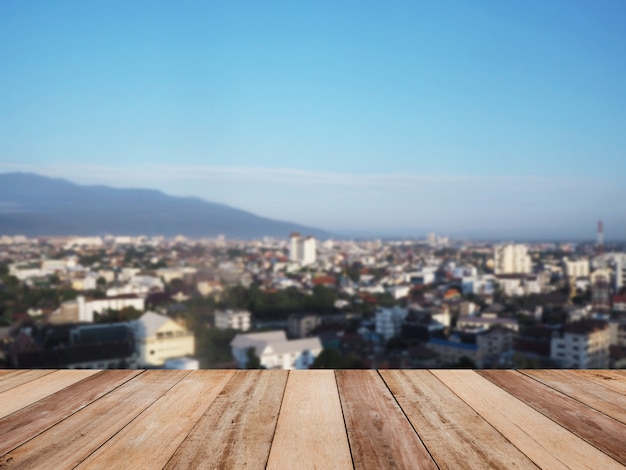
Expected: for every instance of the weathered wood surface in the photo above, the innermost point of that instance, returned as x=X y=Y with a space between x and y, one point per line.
x=380 y=436
x=604 y=432
x=237 y=430
x=310 y=433
x=312 y=419
x=441 y=417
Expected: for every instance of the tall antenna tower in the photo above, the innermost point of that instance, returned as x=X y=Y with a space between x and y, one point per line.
x=600 y=290
x=600 y=244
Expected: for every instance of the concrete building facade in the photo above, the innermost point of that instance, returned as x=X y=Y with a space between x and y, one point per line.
x=232 y=319
x=302 y=250
x=160 y=338
x=512 y=259
x=582 y=345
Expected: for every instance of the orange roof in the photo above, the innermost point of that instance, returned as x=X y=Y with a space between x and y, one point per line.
x=324 y=280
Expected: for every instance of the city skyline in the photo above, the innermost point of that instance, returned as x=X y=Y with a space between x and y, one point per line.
x=477 y=120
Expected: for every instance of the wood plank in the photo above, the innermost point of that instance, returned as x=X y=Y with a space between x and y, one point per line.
x=609 y=378
x=545 y=442
x=592 y=394
x=310 y=433
x=441 y=418
x=28 y=422
x=35 y=390
x=237 y=429
x=22 y=377
x=72 y=440
x=605 y=433
x=4 y=373
x=379 y=433
x=150 y=440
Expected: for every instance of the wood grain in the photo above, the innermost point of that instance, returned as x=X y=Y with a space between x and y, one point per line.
x=4 y=373
x=592 y=394
x=608 y=378
x=312 y=419
x=21 y=377
x=35 y=390
x=150 y=440
x=68 y=443
x=28 y=422
x=605 y=433
x=310 y=433
x=380 y=436
x=237 y=430
x=440 y=418
x=545 y=442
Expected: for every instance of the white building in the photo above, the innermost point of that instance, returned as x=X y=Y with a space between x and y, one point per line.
x=160 y=338
x=517 y=285
x=423 y=277
x=302 y=250
x=84 y=241
x=389 y=321
x=512 y=259
x=480 y=285
x=275 y=351
x=399 y=292
x=620 y=271
x=576 y=268
x=54 y=265
x=582 y=345
x=431 y=239
x=84 y=310
x=465 y=322
x=232 y=319
x=85 y=281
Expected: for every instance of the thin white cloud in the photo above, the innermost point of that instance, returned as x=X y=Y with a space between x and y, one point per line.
x=153 y=175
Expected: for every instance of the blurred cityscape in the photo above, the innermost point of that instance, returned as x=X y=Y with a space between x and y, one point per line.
x=109 y=302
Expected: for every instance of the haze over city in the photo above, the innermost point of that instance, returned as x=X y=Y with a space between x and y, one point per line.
x=485 y=119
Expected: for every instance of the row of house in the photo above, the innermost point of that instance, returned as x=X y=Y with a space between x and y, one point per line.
x=153 y=340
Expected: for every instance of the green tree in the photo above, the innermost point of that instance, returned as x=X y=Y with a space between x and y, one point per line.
x=465 y=363
x=253 y=360
x=213 y=346
x=114 y=316
x=328 y=359
x=332 y=359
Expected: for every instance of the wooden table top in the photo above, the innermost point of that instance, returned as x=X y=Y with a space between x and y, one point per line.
x=126 y=419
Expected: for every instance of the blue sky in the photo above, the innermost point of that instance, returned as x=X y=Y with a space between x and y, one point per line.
x=481 y=118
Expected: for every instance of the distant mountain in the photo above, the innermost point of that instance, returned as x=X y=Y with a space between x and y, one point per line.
x=34 y=205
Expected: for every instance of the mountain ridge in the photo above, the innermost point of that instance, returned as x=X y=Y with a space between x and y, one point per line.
x=36 y=205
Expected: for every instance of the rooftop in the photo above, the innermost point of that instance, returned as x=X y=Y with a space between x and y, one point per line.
x=312 y=419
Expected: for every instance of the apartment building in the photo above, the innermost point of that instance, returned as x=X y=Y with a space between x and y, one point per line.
x=160 y=338
x=84 y=310
x=389 y=321
x=512 y=259
x=301 y=324
x=232 y=319
x=576 y=268
x=582 y=345
x=302 y=250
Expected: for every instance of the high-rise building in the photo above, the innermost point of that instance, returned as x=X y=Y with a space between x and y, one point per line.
x=576 y=268
x=431 y=239
x=620 y=271
x=512 y=259
x=302 y=250
x=295 y=240
x=601 y=290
